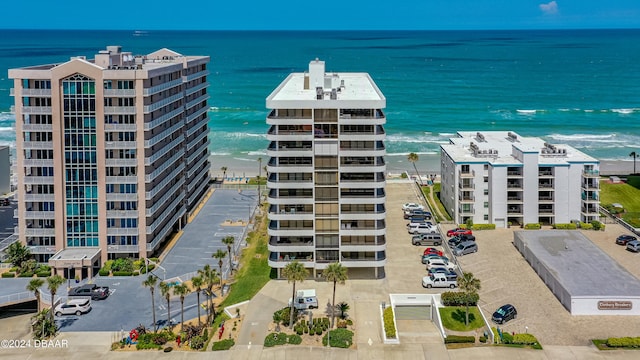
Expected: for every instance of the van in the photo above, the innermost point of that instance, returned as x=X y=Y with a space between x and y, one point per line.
x=305 y=299
x=427 y=239
x=465 y=247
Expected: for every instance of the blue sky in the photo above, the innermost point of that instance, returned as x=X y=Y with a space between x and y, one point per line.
x=321 y=14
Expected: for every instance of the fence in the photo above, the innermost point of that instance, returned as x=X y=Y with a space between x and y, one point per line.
x=618 y=220
x=16 y=298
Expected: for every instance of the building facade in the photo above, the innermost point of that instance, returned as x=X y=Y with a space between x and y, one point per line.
x=326 y=172
x=502 y=178
x=112 y=153
x=5 y=170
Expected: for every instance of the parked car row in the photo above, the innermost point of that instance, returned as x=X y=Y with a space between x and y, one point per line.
x=630 y=241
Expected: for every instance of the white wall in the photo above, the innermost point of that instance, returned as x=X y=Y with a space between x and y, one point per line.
x=562 y=183
x=498 y=194
x=589 y=306
x=530 y=185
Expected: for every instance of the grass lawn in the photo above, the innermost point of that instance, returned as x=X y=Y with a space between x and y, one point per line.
x=624 y=194
x=255 y=271
x=438 y=204
x=453 y=318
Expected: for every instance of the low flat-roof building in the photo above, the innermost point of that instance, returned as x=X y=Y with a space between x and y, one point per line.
x=500 y=177
x=586 y=280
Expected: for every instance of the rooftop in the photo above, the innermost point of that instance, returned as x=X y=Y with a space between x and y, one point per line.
x=499 y=147
x=579 y=265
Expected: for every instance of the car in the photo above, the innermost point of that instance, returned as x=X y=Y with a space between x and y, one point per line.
x=5 y=202
x=459 y=231
x=433 y=256
x=465 y=247
x=624 y=239
x=94 y=291
x=74 y=306
x=415 y=223
x=423 y=229
x=438 y=280
x=417 y=214
x=442 y=270
x=427 y=239
x=439 y=262
x=431 y=250
x=454 y=241
x=410 y=206
x=504 y=313
x=633 y=245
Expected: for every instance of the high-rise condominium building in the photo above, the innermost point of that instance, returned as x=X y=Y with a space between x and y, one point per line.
x=326 y=172
x=112 y=153
x=500 y=177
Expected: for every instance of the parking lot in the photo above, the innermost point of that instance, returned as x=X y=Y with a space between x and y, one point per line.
x=507 y=278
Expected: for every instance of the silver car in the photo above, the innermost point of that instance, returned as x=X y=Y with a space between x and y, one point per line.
x=465 y=247
x=75 y=306
x=633 y=245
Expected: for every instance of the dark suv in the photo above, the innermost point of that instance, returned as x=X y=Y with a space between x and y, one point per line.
x=96 y=292
x=624 y=239
x=454 y=241
x=504 y=314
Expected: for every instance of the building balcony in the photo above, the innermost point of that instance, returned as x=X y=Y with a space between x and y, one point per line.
x=281 y=259
x=197 y=115
x=162 y=103
x=590 y=198
x=363 y=262
x=123 y=248
x=285 y=151
x=466 y=185
x=287 y=232
x=39 y=214
x=363 y=216
x=121 y=162
x=196 y=88
x=194 y=76
x=466 y=210
x=514 y=199
x=545 y=174
x=466 y=174
x=121 y=179
x=121 y=197
x=545 y=199
x=590 y=211
x=545 y=185
x=120 y=110
x=39 y=197
x=120 y=127
x=514 y=173
x=116 y=214
x=514 y=185
x=40 y=249
x=591 y=173
x=46 y=145
x=545 y=211
x=197 y=101
x=34 y=180
x=175 y=129
x=466 y=198
x=289 y=184
x=37 y=127
x=164 y=118
x=40 y=110
x=591 y=185
x=32 y=92
x=37 y=162
x=363 y=231
x=119 y=92
x=164 y=86
x=40 y=232
x=288 y=244
x=122 y=231
x=120 y=145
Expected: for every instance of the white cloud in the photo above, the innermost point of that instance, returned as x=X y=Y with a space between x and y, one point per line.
x=550 y=8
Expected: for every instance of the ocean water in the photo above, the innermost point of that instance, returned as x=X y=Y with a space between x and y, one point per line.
x=580 y=87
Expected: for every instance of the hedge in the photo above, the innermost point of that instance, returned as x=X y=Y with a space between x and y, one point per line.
x=457 y=298
x=586 y=226
x=524 y=339
x=43 y=274
x=223 y=345
x=274 y=339
x=532 y=226
x=122 y=273
x=340 y=338
x=103 y=272
x=632 y=342
x=569 y=226
x=597 y=225
x=8 y=275
x=294 y=339
x=457 y=339
x=26 y=274
x=389 y=326
x=483 y=227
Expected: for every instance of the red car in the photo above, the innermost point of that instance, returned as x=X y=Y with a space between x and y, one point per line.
x=459 y=231
x=431 y=250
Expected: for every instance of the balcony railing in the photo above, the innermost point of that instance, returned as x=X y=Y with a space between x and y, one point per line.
x=127 y=110
x=123 y=248
x=466 y=174
x=591 y=173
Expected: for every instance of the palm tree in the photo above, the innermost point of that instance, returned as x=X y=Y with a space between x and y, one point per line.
x=469 y=286
x=220 y=254
x=229 y=240
x=165 y=290
x=35 y=285
x=18 y=255
x=209 y=277
x=634 y=155
x=197 y=282
x=224 y=172
x=294 y=271
x=413 y=157
x=151 y=284
x=181 y=290
x=53 y=283
x=338 y=274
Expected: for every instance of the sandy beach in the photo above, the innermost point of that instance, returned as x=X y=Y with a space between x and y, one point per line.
x=396 y=164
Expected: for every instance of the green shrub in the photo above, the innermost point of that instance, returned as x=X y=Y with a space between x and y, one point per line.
x=496 y=336
x=122 y=273
x=404 y=175
x=631 y=342
x=340 y=338
x=197 y=342
x=349 y=322
x=122 y=264
x=483 y=227
x=103 y=272
x=456 y=298
x=457 y=339
x=13 y=269
x=294 y=339
x=108 y=264
x=462 y=226
x=43 y=274
x=597 y=225
x=586 y=226
x=44 y=268
x=319 y=330
x=137 y=264
x=389 y=326
x=283 y=316
x=223 y=345
x=524 y=339
x=155 y=259
x=561 y=226
x=483 y=339
x=26 y=274
x=274 y=339
x=205 y=335
x=8 y=275
x=507 y=338
x=532 y=226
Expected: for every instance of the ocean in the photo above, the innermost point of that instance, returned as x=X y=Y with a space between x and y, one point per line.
x=575 y=87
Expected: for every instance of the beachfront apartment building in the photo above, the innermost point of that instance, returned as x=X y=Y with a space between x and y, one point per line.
x=326 y=172
x=502 y=178
x=112 y=154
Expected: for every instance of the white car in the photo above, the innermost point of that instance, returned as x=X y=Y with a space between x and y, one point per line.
x=75 y=306
x=412 y=206
x=422 y=229
x=439 y=262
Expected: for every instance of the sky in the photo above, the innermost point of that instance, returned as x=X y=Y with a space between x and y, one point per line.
x=321 y=14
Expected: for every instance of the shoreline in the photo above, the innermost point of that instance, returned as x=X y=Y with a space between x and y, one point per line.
x=396 y=164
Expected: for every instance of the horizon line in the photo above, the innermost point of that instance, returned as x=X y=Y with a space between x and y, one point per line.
x=332 y=30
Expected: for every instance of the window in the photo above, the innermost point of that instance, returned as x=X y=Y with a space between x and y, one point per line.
x=486 y=191
x=486 y=217
x=486 y=204
x=486 y=179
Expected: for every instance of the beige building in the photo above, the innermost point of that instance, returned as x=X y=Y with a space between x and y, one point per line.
x=112 y=154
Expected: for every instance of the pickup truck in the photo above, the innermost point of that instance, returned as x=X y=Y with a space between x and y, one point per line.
x=438 y=280
x=94 y=291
